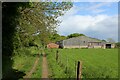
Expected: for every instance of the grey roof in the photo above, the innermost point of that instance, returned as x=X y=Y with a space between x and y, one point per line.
x=84 y=38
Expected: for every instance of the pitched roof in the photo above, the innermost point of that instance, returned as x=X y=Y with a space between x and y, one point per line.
x=84 y=38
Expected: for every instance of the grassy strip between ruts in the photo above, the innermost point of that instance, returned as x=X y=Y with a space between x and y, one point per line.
x=38 y=72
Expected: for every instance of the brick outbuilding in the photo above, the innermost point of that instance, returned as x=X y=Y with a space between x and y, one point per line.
x=52 y=45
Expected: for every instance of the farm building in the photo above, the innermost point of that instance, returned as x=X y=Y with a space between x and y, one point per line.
x=84 y=42
x=52 y=45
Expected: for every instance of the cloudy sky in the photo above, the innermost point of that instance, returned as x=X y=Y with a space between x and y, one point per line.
x=94 y=19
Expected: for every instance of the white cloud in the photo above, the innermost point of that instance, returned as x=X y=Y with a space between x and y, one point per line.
x=98 y=26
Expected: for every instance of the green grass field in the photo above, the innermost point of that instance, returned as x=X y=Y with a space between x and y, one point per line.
x=96 y=63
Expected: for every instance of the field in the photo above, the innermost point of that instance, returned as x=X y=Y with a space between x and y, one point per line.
x=96 y=63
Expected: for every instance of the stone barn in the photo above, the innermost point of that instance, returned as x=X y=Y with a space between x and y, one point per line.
x=84 y=42
x=52 y=45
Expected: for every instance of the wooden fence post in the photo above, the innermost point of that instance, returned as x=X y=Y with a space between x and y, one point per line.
x=79 y=70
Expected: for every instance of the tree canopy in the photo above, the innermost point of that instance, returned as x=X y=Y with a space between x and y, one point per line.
x=30 y=23
x=26 y=24
x=56 y=37
x=41 y=19
x=75 y=35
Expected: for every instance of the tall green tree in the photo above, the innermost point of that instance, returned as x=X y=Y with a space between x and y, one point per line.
x=26 y=22
x=41 y=19
x=10 y=16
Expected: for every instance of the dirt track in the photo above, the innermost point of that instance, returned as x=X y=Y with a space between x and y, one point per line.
x=44 y=68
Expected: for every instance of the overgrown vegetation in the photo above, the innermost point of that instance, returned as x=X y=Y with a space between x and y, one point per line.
x=25 y=61
x=27 y=24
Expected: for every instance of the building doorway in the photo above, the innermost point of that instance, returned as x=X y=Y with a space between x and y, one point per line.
x=108 y=45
